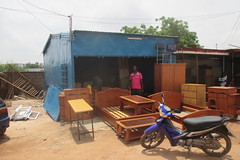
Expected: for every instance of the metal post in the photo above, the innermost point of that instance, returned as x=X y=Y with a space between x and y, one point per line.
x=232 y=69
x=197 y=69
x=70 y=28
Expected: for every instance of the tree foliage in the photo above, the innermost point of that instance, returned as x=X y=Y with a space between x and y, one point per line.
x=168 y=26
x=6 y=67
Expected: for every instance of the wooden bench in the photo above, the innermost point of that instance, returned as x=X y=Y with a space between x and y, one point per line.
x=131 y=129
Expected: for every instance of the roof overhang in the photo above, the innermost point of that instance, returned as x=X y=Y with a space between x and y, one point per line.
x=202 y=53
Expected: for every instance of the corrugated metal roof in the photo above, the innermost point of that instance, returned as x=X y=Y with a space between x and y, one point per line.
x=120 y=33
x=202 y=51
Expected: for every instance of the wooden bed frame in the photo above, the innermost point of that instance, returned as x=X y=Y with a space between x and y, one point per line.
x=107 y=104
x=172 y=99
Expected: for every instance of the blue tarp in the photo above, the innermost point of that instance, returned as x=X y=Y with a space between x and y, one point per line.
x=51 y=103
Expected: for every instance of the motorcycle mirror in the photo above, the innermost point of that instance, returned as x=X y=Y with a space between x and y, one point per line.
x=162 y=94
x=177 y=110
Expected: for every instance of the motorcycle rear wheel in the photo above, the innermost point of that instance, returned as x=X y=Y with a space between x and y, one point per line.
x=224 y=141
x=2 y=131
x=151 y=139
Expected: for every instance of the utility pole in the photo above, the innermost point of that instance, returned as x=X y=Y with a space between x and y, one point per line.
x=70 y=28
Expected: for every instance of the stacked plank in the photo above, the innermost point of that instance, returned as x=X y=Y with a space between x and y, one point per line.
x=194 y=94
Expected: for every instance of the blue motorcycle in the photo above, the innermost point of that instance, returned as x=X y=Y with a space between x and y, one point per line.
x=208 y=133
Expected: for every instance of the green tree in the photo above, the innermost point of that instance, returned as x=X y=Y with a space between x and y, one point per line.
x=32 y=65
x=168 y=26
x=6 y=67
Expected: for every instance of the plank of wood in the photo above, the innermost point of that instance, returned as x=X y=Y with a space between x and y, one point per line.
x=116 y=112
x=110 y=112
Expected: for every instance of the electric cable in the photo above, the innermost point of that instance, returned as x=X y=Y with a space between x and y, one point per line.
x=35 y=17
x=44 y=9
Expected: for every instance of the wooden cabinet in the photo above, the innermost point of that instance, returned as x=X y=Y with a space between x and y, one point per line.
x=72 y=94
x=169 y=77
x=224 y=98
x=194 y=94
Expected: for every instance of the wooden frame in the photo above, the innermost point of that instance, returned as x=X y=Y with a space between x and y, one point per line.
x=137 y=102
x=172 y=99
x=133 y=128
x=200 y=113
x=110 y=97
x=70 y=94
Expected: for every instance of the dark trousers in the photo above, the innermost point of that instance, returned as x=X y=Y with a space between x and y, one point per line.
x=136 y=92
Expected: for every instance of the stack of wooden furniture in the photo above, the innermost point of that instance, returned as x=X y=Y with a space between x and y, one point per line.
x=71 y=94
x=224 y=98
x=194 y=95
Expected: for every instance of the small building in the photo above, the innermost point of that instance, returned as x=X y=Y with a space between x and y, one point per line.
x=204 y=65
x=72 y=60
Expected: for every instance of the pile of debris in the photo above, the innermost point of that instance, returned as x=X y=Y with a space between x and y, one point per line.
x=24 y=113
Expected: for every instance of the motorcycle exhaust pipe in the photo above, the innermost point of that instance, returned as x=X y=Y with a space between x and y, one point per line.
x=199 y=143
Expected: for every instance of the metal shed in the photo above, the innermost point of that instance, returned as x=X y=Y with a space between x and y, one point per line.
x=110 y=55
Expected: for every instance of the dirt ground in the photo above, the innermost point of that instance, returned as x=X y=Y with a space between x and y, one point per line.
x=46 y=139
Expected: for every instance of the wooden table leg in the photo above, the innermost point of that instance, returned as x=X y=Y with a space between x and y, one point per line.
x=121 y=105
x=78 y=127
x=119 y=130
x=92 y=124
x=127 y=137
x=138 y=109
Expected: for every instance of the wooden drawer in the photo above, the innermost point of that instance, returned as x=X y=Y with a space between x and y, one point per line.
x=184 y=87
x=191 y=101
x=189 y=94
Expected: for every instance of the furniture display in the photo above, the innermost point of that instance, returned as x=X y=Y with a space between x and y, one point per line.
x=131 y=129
x=169 y=77
x=137 y=102
x=224 y=98
x=80 y=107
x=108 y=106
x=194 y=94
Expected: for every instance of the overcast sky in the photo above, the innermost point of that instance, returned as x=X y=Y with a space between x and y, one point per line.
x=24 y=31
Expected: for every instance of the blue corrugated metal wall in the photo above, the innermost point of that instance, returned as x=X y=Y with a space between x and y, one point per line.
x=117 y=45
x=58 y=53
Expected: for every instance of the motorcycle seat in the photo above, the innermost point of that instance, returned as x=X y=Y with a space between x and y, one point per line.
x=201 y=123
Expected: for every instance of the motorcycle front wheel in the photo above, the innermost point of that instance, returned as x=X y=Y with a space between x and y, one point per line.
x=223 y=141
x=151 y=139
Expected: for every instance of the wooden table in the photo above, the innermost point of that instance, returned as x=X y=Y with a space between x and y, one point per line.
x=133 y=128
x=79 y=107
x=137 y=102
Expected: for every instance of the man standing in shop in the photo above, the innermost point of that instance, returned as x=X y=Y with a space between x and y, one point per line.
x=136 y=83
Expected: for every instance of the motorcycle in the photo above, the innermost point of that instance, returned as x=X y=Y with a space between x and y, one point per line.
x=208 y=133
